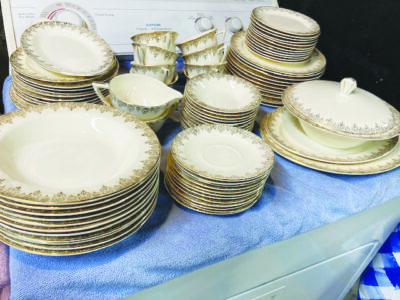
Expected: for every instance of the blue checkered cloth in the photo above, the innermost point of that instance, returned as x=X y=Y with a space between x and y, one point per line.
x=381 y=279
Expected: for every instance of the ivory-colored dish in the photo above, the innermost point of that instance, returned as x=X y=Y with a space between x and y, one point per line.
x=194 y=70
x=286 y=22
x=164 y=73
x=140 y=95
x=151 y=55
x=341 y=114
x=67 y=49
x=222 y=152
x=286 y=130
x=209 y=56
x=162 y=39
x=224 y=93
x=154 y=124
x=381 y=165
x=83 y=154
x=199 y=42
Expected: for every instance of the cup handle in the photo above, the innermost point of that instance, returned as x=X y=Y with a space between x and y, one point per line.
x=225 y=49
x=223 y=32
x=97 y=86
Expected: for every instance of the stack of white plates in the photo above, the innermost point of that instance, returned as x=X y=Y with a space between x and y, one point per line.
x=218 y=169
x=282 y=34
x=75 y=178
x=271 y=77
x=45 y=71
x=219 y=98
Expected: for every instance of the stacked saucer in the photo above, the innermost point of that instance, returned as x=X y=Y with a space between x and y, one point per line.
x=218 y=169
x=55 y=75
x=336 y=128
x=219 y=98
x=281 y=34
x=271 y=77
x=87 y=181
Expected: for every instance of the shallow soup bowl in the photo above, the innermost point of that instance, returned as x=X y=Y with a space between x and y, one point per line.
x=143 y=96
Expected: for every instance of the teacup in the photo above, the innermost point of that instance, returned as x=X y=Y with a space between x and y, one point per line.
x=162 y=39
x=151 y=55
x=194 y=70
x=209 y=56
x=143 y=96
x=200 y=41
x=164 y=73
x=329 y=139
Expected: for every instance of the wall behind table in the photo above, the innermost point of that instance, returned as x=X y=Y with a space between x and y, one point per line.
x=360 y=39
x=3 y=59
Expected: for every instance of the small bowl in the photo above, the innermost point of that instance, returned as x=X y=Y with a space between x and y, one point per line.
x=209 y=56
x=150 y=55
x=193 y=70
x=164 y=73
x=140 y=95
x=162 y=39
x=199 y=42
x=330 y=139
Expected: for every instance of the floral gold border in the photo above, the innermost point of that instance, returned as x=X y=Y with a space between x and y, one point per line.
x=154 y=153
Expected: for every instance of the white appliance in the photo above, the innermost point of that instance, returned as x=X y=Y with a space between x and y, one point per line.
x=117 y=20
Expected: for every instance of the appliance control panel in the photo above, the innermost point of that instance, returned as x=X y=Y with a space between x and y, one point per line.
x=117 y=20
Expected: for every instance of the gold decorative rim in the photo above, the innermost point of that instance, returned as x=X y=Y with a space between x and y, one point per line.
x=314 y=27
x=266 y=162
x=26 y=43
x=316 y=120
x=85 y=248
x=153 y=153
x=387 y=163
x=18 y=63
x=269 y=123
x=194 y=82
x=316 y=63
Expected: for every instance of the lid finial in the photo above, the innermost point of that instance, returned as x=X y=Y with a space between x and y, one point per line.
x=348 y=85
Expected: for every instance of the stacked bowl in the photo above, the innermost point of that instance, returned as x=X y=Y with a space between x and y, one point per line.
x=54 y=75
x=278 y=50
x=202 y=54
x=220 y=98
x=87 y=181
x=335 y=127
x=218 y=169
x=154 y=55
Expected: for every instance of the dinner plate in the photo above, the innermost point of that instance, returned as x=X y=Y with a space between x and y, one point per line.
x=285 y=129
x=67 y=49
x=381 y=165
x=89 y=151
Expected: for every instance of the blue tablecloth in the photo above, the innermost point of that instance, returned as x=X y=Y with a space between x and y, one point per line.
x=176 y=240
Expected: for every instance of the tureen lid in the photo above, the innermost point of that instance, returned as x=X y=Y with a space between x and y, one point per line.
x=342 y=108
